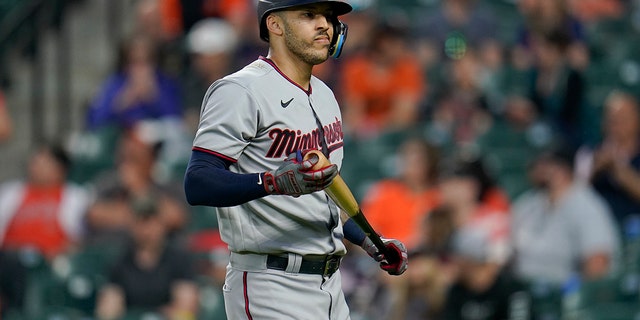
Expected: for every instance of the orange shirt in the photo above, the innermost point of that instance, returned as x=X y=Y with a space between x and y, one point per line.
x=171 y=13
x=593 y=10
x=36 y=223
x=377 y=87
x=396 y=212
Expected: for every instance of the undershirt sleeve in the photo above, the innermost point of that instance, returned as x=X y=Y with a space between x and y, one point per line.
x=353 y=233
x=209 y=182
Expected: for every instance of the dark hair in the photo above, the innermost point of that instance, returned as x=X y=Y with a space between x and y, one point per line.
x=58 y=152
x=557 y=38
x=559 y=154
x=125 y=46
x=473 y=167
x=385 y=30
x=430 y=152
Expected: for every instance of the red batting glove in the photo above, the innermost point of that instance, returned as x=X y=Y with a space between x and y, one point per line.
x=394 y=261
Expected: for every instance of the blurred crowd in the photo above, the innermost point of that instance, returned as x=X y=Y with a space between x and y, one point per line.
x=487 y=135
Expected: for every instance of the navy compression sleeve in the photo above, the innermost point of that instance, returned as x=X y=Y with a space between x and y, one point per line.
x=209 y=182
x=353 y=233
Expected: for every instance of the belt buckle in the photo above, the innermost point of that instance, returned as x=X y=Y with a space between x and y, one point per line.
x=331 y=265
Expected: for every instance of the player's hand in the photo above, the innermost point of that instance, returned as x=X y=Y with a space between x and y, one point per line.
x=295 y=176
x=394 y=261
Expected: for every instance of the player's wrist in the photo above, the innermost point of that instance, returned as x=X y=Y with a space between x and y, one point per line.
x=269 y=183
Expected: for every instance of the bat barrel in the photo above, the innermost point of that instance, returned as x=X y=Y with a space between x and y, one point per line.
x=340 y=193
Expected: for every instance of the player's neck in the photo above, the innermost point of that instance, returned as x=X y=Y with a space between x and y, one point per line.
x=296 y=70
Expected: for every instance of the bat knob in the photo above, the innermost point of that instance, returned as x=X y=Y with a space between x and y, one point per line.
x=322 y=160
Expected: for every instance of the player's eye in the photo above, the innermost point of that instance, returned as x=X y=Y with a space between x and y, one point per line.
x=308 y=14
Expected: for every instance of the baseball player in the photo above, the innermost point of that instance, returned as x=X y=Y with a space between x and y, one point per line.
x=248 y=161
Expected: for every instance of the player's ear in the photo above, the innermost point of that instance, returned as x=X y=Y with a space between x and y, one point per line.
x=274 y=24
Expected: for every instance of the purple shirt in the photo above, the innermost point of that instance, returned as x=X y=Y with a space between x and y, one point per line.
x=104 y=109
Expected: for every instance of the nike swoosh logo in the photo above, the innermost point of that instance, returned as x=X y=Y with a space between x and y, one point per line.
x=259 y=179
x=285 y=104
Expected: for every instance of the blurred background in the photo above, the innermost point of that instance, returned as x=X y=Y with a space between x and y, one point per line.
x=498 y=139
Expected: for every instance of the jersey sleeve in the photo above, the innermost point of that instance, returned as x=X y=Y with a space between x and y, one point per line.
x=228 y=120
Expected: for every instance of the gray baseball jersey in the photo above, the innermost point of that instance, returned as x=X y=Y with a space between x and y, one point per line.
x=255 y=118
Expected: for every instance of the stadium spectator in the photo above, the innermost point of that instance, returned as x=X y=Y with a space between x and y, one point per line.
x=468 y=22
x=479 y=205
x=472 y=207
x=148 y=21
x=43 y=212
x=153 y=274
x=422 y=293
x=133 y=178
x=556 y=88
x=615 y=169
x=381 y=87
x=143 y=96
x=179 y=16
x=590 y=11
x=561 y=228
x=13 y=284
x=512 y=140
x=482 y=291
x=6 y=125
x=541 y=18
x=396 y=207
x=211 y=43
x=460 y=112
x=551 y=46
x=138 y=90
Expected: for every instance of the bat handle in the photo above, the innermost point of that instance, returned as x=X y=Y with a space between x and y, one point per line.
x=370 y=232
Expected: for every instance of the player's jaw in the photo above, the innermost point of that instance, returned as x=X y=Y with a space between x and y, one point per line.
x=312 y=49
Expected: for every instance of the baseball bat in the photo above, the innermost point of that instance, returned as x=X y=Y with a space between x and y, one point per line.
x=340 y=193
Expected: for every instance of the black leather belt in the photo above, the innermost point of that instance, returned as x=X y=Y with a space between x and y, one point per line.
x=326 y=267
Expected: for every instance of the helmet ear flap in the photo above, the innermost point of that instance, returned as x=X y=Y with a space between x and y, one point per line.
x=339 y=37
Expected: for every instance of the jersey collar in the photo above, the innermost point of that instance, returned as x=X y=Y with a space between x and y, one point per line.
x=273 y=64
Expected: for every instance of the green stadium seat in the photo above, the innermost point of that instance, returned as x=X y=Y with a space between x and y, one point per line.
x=608 y=311
x=546 y=301
x=92 y=153
x=202 y=218
x=508 y=154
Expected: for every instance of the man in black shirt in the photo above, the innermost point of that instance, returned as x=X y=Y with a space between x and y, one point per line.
x=152 y=275
x=482 y=291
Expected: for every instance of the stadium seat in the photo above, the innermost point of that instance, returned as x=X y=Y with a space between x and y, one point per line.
x=546 y=301
x=608 y=311
x=92 y=153
x=508 y=153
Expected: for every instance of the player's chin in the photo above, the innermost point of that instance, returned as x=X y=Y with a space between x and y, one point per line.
x=324 y=52
x=319 y=57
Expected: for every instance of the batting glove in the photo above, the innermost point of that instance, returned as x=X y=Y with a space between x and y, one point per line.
x=295 y=176
x=394 y=261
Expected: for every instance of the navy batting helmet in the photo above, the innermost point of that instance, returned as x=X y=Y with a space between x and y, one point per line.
x=339 y=8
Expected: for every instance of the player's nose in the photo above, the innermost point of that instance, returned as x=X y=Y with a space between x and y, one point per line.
x=322 y=22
